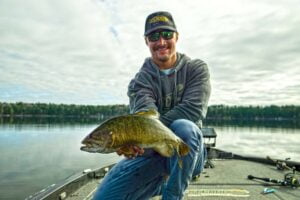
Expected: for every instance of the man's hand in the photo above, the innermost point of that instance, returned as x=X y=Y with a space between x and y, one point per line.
x=130 y=151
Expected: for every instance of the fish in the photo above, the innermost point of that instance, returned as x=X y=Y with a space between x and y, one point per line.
x=142 y=129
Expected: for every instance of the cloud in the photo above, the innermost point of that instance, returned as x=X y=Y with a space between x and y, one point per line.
x=87 y=51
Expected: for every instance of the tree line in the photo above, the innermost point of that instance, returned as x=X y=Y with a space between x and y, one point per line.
x=221 y=112
x=63 y=110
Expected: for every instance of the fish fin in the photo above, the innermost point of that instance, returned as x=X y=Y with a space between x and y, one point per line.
x=126 y=150
x=165 y=150
x=148 y=113
x=183 y=149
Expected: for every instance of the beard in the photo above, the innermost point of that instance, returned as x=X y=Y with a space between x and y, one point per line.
x=162 y=57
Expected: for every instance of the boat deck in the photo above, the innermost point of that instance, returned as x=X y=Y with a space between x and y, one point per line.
x=227 y=181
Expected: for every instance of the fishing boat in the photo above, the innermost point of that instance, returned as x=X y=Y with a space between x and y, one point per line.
x=227 y=176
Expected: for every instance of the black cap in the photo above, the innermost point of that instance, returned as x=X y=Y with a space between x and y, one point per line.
x=159 y=20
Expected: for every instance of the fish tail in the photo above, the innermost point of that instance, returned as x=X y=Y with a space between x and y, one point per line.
x=183 y=149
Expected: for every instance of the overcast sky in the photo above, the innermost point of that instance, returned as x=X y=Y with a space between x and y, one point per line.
x=86 y=51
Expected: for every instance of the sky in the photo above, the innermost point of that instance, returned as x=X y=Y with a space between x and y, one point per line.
x=87 y=51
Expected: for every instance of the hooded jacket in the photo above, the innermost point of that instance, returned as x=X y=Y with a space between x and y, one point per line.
x=182 y=94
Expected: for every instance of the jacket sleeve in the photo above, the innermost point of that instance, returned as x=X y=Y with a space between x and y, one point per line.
x=194 y=102
x=140 y=93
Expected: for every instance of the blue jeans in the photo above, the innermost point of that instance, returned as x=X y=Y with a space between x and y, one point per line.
x=145 y=176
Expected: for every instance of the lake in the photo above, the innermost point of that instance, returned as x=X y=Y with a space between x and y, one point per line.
x=36 y=155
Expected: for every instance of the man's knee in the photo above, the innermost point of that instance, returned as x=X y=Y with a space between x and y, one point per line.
x=185 y=129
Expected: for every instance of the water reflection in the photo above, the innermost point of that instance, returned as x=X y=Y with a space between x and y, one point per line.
x=208 y=122
x=254 y=123
x=34 y=156
x=279 y=143
x=37 y=152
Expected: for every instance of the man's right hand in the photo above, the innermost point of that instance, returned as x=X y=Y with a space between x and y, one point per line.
x=130 y=151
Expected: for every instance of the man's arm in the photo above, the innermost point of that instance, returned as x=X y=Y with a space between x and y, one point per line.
x=193 y=105
x=140 y=93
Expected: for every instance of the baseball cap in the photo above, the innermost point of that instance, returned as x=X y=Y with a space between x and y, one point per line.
x=159 y=20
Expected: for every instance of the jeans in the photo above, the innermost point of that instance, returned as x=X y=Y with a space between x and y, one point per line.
x=145 y=176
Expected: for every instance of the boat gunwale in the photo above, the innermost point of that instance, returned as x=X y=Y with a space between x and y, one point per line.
x=66 y=185
x=51 y=193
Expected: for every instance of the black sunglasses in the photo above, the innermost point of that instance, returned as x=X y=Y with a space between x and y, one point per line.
x=167 y=35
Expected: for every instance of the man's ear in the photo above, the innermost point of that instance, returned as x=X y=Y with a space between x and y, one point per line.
x=176 y=36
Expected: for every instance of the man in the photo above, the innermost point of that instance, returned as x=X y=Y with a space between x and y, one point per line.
x=179 y=89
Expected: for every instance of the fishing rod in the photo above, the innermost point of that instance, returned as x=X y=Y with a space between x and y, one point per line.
x=281 y=165
x=290 y=179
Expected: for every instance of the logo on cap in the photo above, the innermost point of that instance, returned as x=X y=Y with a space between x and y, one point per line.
x=158 y=19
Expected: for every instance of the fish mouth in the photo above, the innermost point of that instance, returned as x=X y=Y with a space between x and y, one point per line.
x=83 y=148
x=87 y=145
x=94 y=148
x=90 y=148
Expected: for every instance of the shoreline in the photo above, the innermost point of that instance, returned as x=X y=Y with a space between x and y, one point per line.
x=101 y=116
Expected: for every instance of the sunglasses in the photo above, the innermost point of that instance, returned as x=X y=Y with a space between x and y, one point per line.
x=167 y=35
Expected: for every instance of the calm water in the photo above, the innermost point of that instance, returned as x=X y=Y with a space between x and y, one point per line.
x=34 y=156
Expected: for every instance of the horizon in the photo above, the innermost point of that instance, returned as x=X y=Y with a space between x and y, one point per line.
x=86 y=52
x=267 y=105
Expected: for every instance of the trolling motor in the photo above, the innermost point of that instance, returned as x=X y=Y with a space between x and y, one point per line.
x=290 y=179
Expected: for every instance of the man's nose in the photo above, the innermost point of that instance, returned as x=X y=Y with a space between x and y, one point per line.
x=161 y=40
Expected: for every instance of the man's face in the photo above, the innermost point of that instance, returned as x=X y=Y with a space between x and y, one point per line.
x=163 y=50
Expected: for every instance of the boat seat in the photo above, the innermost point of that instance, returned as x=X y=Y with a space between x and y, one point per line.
x=210 y=137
